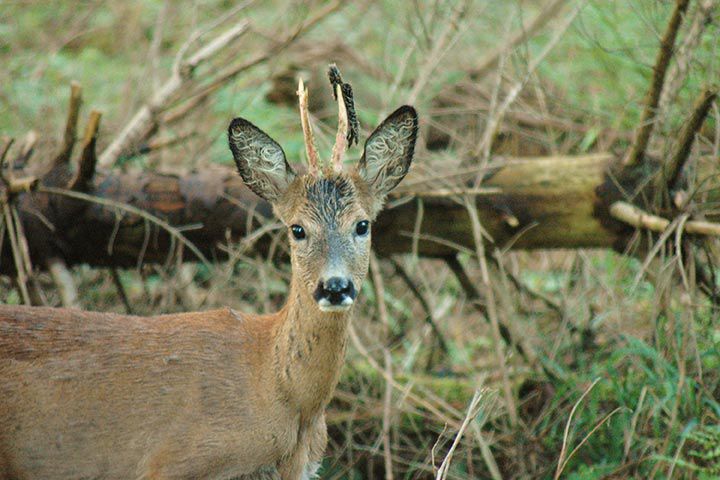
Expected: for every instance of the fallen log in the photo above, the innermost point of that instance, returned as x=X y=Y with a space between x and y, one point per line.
x=533 y=203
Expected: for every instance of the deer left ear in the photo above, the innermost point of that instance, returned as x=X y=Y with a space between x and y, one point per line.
x=260 y=160
x=389 y=151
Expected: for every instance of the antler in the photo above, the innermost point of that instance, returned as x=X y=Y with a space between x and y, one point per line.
x=341 y=141
x=310 y=149
x=348 y=127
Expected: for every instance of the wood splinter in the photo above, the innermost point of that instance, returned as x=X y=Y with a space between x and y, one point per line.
x=63 y=156
x=88 y=157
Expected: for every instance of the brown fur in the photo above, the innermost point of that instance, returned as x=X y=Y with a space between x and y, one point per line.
x=214 y=395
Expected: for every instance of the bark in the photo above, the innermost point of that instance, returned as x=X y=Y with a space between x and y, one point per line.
x=539 y=203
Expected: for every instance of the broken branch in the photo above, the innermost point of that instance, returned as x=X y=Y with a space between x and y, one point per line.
x=647 y=119
x=639 y=218
x=678 y=158
x=70 y=125
x=88 y=158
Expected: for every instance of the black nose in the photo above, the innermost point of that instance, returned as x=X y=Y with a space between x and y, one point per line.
x=335 y=290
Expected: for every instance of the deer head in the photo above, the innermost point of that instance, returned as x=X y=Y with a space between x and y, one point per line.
x=329 y=209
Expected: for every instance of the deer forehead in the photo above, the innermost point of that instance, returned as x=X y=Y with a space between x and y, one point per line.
x=333 y=202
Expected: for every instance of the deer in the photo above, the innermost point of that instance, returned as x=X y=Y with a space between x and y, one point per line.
x=216 y=394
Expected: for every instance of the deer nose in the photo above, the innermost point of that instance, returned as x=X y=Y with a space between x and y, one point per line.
x=335 y=293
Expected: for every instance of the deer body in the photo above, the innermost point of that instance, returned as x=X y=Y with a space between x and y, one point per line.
x=211 y=395
x=126 y=398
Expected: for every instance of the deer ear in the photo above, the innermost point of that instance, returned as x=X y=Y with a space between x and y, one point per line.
x=389 y=151
x=260 y=160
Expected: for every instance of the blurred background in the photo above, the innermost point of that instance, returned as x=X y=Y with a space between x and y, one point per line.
x=495 y=362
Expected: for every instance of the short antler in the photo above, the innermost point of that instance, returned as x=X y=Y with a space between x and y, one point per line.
x=347 y=120
x=341 y=141
x=310 y=149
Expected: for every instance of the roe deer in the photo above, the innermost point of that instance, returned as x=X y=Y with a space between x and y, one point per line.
x=217 y=394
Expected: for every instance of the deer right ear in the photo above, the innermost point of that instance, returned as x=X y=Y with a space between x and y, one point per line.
x=260 y=160
x=389 y=151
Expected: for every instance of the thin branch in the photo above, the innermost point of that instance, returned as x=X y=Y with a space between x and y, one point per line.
x=477 y=231
x=26 y=149
x=522 y=34
x=429 y=317
x=472 y=412
x=197 y=96
x=474 y=297
x=64 y=282
x=117 y=281
x=674 y=166
x=563 y=450
x=647 y=119
x=173 y=231
x=685 y=53
x=88 y=157
x=145 y=119
x=639 y=218
x=70 y=135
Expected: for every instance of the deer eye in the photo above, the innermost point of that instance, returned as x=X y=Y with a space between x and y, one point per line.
x=298 y=232
x=361 y=229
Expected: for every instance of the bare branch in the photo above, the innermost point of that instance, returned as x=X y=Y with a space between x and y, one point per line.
x=88 y=158
x=70 y=125
x=639 y=218
x=145 y=119
x=647 y=119
x=685 y=53
x=674 y=166
x=64 y=282
x=522 y=34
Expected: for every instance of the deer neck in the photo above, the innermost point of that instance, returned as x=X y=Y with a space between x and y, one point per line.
x=309 y=352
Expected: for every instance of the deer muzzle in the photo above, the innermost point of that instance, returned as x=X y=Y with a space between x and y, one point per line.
x=336 y=294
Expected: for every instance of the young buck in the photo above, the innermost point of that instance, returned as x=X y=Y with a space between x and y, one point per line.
x=218 y=394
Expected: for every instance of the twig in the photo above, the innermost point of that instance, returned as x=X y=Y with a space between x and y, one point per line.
x=685 y=53
x=522 y=34
x=674 y=166
x=198 y=95
x=561 y=460
x=429 y=317
x=452 y=192
x=639 y=218
x=491 y=307
x=117 y=281
x=64 y=282
x=472 y=412
x=4 y=151
x=146 y=117
x=497 y=116
x=447 y=37
x=156 y=145
x=474 y=297
x=88 y=158
x=173 y=231
x=21 y=277
x=26 y=150
x=70 y=136
x=647 y=119
x=387 y=410
x=352 y=333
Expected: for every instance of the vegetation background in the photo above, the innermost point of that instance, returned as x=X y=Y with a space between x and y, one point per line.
x=621 y=377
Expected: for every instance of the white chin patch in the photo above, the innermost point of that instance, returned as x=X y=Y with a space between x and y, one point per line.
x=325 y=305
